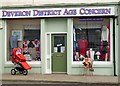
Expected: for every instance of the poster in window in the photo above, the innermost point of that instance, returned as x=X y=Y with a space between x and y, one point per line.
x=18 y=34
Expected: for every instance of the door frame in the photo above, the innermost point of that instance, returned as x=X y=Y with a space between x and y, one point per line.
x=63 y=33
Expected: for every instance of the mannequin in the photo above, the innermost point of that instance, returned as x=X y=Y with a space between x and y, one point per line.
x=90 y=53
x=104 y=40
x=83 y=44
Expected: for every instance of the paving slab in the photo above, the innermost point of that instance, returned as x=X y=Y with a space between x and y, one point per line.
x=61 y=78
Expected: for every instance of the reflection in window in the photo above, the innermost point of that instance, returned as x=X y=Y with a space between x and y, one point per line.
x=92 y=39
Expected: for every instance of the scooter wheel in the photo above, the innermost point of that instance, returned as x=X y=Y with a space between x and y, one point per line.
x=25 y=72
x=13 y=71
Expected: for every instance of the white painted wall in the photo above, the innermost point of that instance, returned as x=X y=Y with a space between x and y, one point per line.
x=39 y=2
x=118 y=64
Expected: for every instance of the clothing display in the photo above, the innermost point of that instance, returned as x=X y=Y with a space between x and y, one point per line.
x=83 y=43
x=90 y=53
x=32 y=53
x=104 y=36
x=77 y=56
x=36 y=43
x=25 y=46
x=104 y=47
x=13 y=41
x=74 y=35
x=108 y=26
x=105 y=40
x=78 y=32
x=104 y=50
x=76 y=47
x=89 y=36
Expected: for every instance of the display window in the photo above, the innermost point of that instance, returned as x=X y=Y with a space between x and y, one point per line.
x=91 y=38
x=25 y=34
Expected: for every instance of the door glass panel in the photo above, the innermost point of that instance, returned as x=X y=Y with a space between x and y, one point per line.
x=59 y=44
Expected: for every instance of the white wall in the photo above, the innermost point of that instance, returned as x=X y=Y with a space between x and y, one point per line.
x=39 y=2
x=119 y=42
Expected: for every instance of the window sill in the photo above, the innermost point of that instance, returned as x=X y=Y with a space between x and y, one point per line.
x=95 y=64
x=31 y=63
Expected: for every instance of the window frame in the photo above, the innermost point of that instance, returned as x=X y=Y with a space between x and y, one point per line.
x=111 y=50
x=8 y=62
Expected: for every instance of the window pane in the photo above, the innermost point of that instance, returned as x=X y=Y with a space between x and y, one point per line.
x=59 y=42
x=24 y=33
x=91 y=38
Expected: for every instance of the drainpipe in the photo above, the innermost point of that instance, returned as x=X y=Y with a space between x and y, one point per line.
x=114 y=61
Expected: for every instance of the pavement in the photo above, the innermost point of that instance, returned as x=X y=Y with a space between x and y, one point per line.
x=64 y=78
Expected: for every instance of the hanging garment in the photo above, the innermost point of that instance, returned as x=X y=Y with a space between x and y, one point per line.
x=36 y=43
x=105 y=32
x=13 y=42
x=108 y=26
x=83 y=43
x=104 y=48
x=74 y=35
x=25 y=48
x=77 y=31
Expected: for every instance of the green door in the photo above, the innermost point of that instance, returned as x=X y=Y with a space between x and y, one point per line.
x=59 y=55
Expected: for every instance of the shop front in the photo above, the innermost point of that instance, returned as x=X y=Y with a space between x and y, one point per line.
x=55 y=40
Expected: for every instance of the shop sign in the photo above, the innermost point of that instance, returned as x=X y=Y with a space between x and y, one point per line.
x=58 y=12
x=91 y=19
